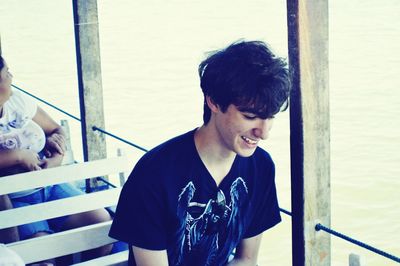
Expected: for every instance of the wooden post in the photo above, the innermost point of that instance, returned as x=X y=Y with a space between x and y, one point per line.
x=354 y=260
x=310 y=130
x=121 y=175
x=68 y=155
x=89 y=79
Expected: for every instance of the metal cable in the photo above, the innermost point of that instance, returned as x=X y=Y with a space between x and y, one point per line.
x=356 y=242
x=76 y=118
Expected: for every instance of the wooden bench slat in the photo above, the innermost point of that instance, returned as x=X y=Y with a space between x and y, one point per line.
x=71 y=241
x=117 y=259
x=57 y=208
x=62 y=174
x=63 y=243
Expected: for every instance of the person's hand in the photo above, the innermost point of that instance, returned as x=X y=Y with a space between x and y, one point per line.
x=30 y=160
x=50 y=162
x=55 y=143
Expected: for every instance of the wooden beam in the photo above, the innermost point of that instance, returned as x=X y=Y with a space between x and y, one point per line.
x=354 y=260
x=310 y=130
x=68 y=154
x=116 y=259
x=74 y=240
x=63 y=174
x=89 y=79
x=58 y=208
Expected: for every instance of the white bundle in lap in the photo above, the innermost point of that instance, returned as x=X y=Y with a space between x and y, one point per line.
x=9 y=258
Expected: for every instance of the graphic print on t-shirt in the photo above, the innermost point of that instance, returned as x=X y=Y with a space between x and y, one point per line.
x=21 y=132
x=208 y=232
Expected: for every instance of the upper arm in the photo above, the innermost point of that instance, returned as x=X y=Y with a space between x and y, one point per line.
x=247 y=250
x=45 y=121
x=146 y=257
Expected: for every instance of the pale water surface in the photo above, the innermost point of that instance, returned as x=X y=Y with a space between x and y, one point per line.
x=150 y=51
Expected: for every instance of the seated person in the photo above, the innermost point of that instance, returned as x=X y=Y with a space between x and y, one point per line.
x=31 y=140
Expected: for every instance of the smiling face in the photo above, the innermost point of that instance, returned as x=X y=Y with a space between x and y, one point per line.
x=240 y=131
x=5 y=84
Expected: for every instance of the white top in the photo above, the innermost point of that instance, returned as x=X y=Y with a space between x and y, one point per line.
x=8 y=257
x=18 y=130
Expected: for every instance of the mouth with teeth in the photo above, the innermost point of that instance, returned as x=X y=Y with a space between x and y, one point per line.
x=250 y=141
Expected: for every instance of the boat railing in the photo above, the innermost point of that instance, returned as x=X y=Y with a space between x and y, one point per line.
x=354 y=260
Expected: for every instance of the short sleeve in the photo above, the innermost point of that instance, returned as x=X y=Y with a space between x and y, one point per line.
x=265 y=206
x=24 y=103
x=141 y=210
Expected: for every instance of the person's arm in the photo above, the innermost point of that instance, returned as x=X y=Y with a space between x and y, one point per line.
x=55 y=138
x=247 y=252
x=146 y=257
x=25 y=158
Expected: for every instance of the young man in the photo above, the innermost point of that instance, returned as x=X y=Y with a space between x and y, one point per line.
x=196 y=198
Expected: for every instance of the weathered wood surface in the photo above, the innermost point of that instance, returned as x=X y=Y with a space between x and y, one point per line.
x=310 y=130
x=68 y=154
x=354 y=260
x=89 y=79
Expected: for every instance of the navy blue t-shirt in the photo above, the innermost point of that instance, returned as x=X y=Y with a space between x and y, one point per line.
x=171 y=202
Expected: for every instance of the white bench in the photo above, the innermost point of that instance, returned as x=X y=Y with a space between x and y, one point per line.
x=71 y=241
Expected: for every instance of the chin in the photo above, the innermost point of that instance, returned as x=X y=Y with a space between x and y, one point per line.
x=246 y=153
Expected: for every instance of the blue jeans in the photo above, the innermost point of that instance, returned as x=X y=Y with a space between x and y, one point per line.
x=44 y=195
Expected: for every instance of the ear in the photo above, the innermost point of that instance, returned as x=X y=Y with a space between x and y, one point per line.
x=214 y=107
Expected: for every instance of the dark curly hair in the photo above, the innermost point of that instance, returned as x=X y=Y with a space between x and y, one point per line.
x=248 y=75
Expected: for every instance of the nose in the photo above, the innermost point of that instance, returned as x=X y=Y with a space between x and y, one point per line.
x=263 y=127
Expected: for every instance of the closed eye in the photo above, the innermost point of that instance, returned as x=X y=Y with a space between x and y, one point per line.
x=250 y=116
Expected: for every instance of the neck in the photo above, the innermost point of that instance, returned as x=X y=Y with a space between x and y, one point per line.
x=217 y=160
x=208 y=143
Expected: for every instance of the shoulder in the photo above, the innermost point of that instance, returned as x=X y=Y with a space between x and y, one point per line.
x=19 y=97
x=262 y=157
x=170 y=150
x=155 y=169
x=23 y=103
x=166 y=157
